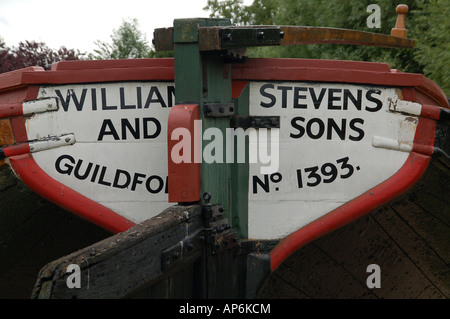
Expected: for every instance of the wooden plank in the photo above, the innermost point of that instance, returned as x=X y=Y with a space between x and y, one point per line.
x=313 y=273
x=334 y=266
x=124 y=263
x=280 y=289
x=295 y=35
x=416 y=249
x=34 y=232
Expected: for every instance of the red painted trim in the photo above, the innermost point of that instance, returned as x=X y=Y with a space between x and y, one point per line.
x=409 y=174
x=91 y=71
x=237 y=87
x=10 y=110
x=14 y=79
x=184 y=178
x=430 y=111
x=16 y=150
x=336 y=71
x=112 y=64
x=406 y=177
x=19 y=129
x=323 y=71
x=38 y=181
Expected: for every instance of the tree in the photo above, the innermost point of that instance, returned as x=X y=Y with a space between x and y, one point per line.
x=31 y=53
x=432 y=34
x=260 y=12
x=128 y=42
x=427 y=23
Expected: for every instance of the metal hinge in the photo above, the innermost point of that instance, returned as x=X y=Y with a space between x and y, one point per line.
x=218 y=109
x=42 y=144
x=254 y=121
x=218 y=234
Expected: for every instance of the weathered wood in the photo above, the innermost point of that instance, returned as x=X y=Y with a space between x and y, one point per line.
x=226 y=37
x=124 y=263
x=34 y=232
x=408 y=238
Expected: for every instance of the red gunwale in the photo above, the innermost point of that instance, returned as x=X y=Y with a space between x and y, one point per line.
x=22 y=85
x=415 y=87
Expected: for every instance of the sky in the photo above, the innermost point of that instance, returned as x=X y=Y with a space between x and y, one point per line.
x=78 y=24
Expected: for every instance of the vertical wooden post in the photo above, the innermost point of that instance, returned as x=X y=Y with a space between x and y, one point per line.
x=400 y=25
x=203 y=77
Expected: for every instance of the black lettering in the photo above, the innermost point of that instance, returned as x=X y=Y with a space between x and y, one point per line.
x=94 y=99
x=101 y=179
x=333 y=126
x=158 y=188
x=297 y=96
x=134 y=131
x=94 y=174
x=284 y=90
x=76 y=173
x=353 y=126
x=317 y=100
x=377 y=102
x=265 y=185
x=146 y=120
x=106 y=107
x=320 y=131
x=332 y=98
x=170 y=95
x=300 y=128
x=71 y=93
x=271 y=97
x=127 y=175
x=136 y=180
x=357 y=102
x=139 y=97
x=150 y=99
x=313 y=175
x=107 y=123
x=67 y=168
x=166 y=190
x=124 y=106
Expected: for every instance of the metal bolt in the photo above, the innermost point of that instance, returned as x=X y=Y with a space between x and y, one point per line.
x=227 y=37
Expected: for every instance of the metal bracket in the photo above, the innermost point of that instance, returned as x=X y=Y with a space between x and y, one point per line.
x=231 y=37
x=218 y=234
x=218 y=109
x=255 y=121
x=180 y=252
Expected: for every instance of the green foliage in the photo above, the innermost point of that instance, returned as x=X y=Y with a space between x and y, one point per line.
x=427 y=22
x=432 y=33
x=32 y=53
x=128 y=42
x=229 y=9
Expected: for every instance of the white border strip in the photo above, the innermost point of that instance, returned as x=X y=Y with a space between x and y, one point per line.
x=390 y=144
x=51 y=142
x=405 y=107
x=40 y=106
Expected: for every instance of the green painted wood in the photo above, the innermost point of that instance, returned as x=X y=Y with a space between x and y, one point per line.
x=200 y=78
x=240 y=175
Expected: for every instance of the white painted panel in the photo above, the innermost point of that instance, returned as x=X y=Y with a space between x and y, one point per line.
x=337 y=167
x=120 y=155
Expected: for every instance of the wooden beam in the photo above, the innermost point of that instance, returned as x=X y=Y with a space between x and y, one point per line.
x=126 y=263
x=296 y=35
